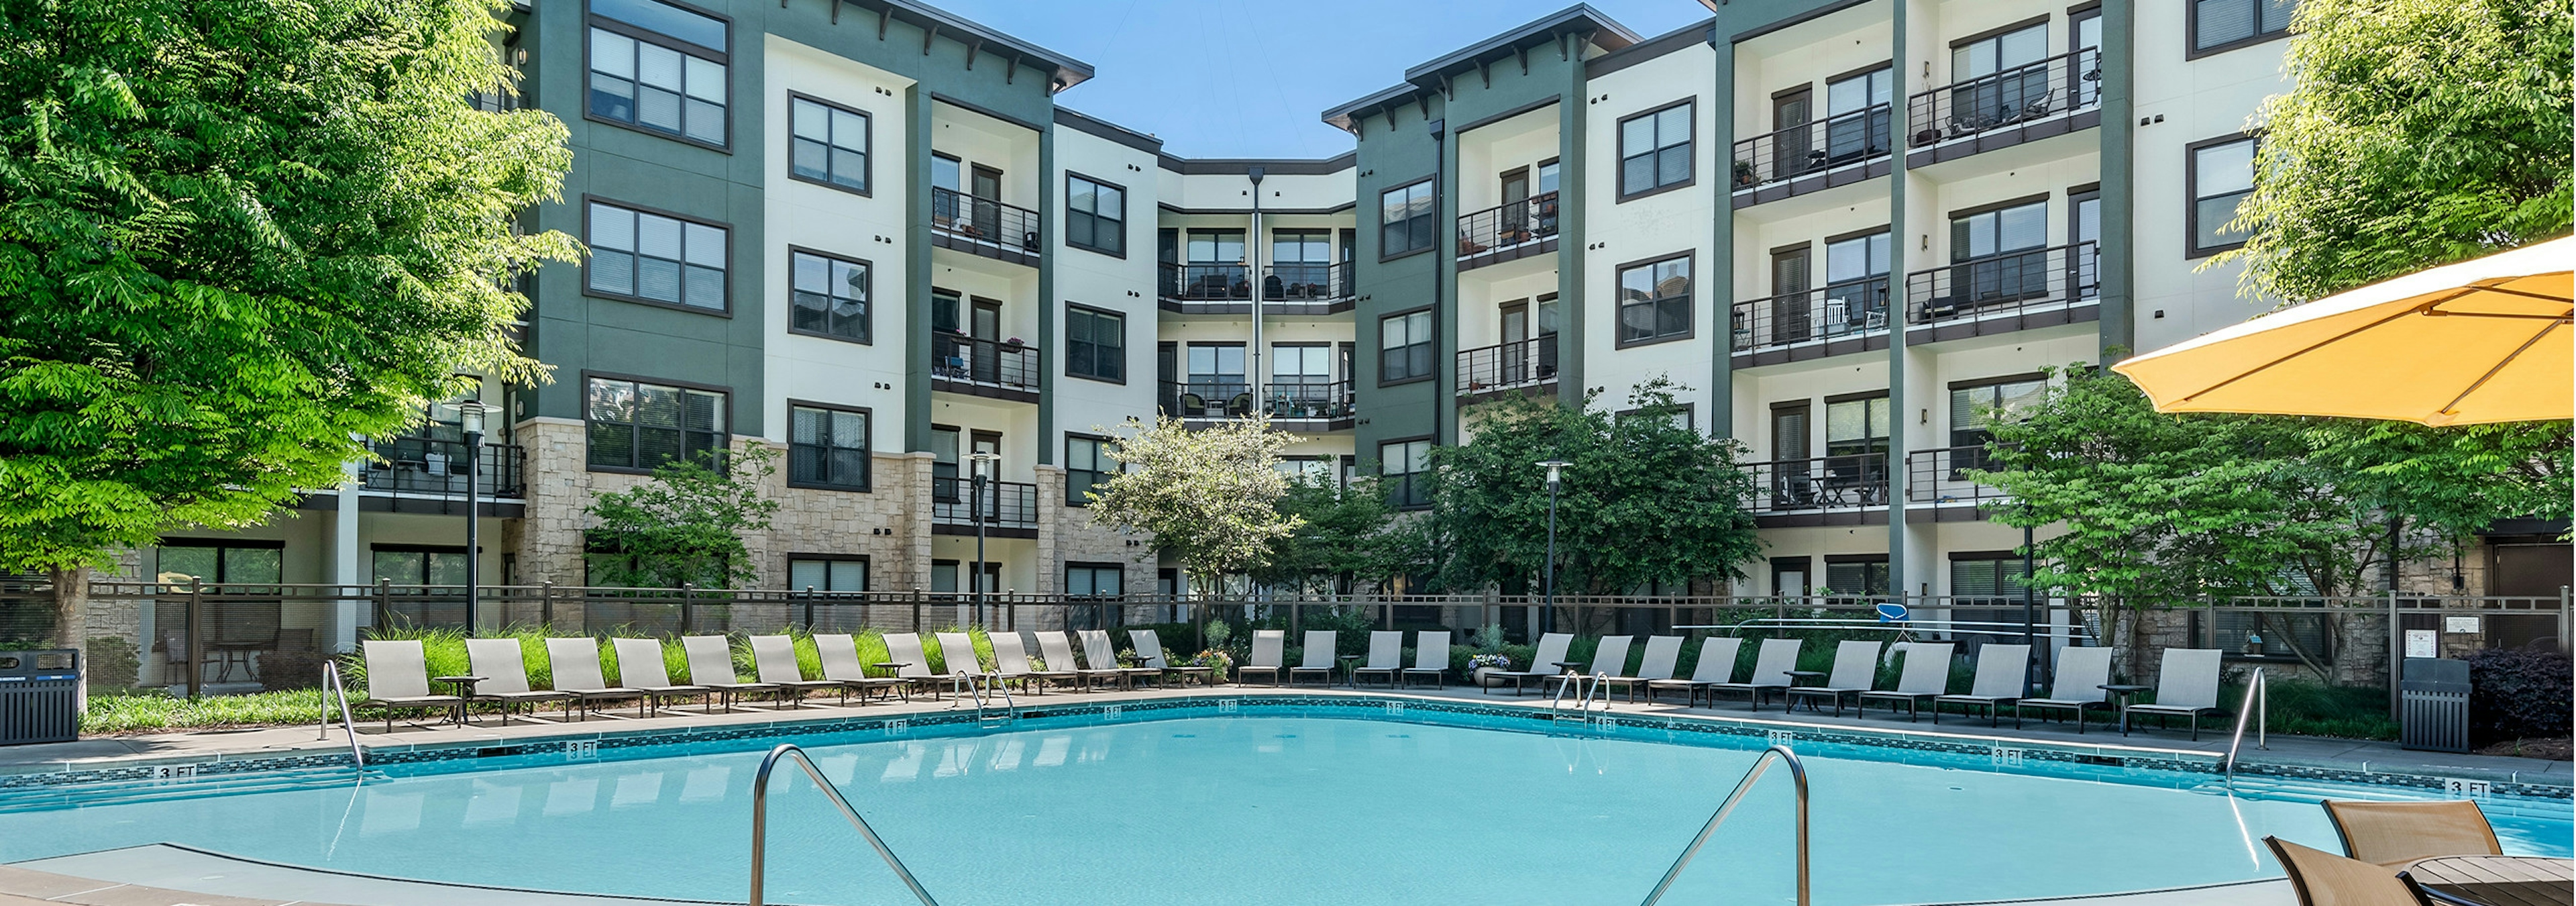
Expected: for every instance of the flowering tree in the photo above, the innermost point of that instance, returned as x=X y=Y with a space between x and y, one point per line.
x=1208 y=496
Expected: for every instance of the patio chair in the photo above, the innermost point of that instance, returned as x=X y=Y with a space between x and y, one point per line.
x=1057 y=648
x=1610 y=658
x=639 y=667
x=1927 y=675
x=2392 y=834
x=398 y=677
x=911 y=663
x=2186 y=686
x=1716 y=665
x=576 y=668
x=1543 y=662
x=1770 y=677
x=838 y=655
x=504 y=670
x=1855 y=668
x=1011 y=659
x=774 y=656
x=711 y=666
x=1320 y=648
x=2000 y=670
x=1149 y=649
x=2322 y=878
x=1430 y=655
x=962 y=665
x=1662 y=653
x=1100 y=651
x=1385 y=657
x=1269 y=652
x=2081 y=674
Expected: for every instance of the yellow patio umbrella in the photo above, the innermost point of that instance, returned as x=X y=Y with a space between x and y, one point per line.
x=2485 y=340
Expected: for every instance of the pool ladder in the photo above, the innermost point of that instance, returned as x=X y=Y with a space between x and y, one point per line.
x=1797 y=775
x=2258 y=702
x=760 y=822
x=332 y=687
x=1588 y=691
x=984 y=687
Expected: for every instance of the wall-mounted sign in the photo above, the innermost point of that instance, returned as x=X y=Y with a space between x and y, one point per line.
x=2460 y=625
x=2423 y=643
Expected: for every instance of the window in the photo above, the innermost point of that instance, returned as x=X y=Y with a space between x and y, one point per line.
x=658 y=67
x=1094 y=580
x=1856 y=283
x=656 y=258
x=1087 y=468
x=827 y=573
x=1655 y=150
x=1311 y=470
x=1405 y=467
x=1972 y=412
x=1998 y=255
x=1404 y=347
x=1857 y=428
x=1987 y=576
x=1216 y=247
x=1856 y=117
x=944 y=576
x=225 y=562
x=827 y=448
x=828 y=296
x=635 y=425
x=2222 y=174
x=2218 y=25
x=1655 y=301
x=827 y=144
x=1404 y=219
x=1866 y=577
x=1095 y=216
x=943 y=465
x=405 y=564
x=1095 y=344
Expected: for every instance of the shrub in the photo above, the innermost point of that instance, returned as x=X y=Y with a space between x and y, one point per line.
x=2517 y=693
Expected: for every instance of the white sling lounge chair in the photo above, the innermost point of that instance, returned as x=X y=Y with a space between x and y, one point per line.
x=1321 y=644
x=1610 y=658
x=1011 y=659
x=1149 y=649
x=1057 y=648
x=775 y=657
x=1927 y=674
x=1385 y=658
x=1543 y=663
x=909 y=662
x=639 y=667
x=1269 y=653
x=838 y=655
x=711 y=665
x=1771 y=666
x=1855 y=668
x=398 y=677
x=576 y=668
x=2186 y=686
x=962 y=665
x=1431 y=656
x=1716 y=665
x=1998 y=683
x=2081 y=674
x=1102 y=652
x=504 y=672
x=1662 y=652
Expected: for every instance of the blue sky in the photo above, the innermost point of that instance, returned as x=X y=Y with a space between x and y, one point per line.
x=1231 y=78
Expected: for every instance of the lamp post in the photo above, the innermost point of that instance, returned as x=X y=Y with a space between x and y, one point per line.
x=980 y=462
x=1555 y=477
x=469 y=416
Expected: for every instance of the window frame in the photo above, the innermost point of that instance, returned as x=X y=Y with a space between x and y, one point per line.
x=1121 y=251
x=1383 y=475
x=2191 y=198
x=1382 y=254
x=725 y=436
x=1070 y=309
x=2191 y=49
x=219 y=545
x=867 y=320
x=1101 y=451
x=868 y=153
x=1691 y=300
x=867 y=447
x=1094 y=567
x=1985 y=383
x=721 y=56
x=588 y=200
x=1433 y=342
x=867 y=570
x=1620 y=162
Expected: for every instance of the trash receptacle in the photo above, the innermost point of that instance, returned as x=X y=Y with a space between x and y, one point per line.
x=2433 y=703
x=39 y=696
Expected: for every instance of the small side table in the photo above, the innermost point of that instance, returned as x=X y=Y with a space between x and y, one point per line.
x=2125 y=693
x=1796 y=677
x=1350 y=675
x=464 y=686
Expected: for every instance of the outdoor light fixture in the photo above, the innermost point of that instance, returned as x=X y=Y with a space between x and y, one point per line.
x=979 y=463
x=469 y=417
x=1555 y=478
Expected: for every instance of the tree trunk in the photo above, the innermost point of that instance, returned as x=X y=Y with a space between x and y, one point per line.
x=71 y=623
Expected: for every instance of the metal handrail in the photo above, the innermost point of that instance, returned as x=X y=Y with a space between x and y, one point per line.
x=1797 y=774
x=760 y=822
x=2258 y=701
x=331 y=686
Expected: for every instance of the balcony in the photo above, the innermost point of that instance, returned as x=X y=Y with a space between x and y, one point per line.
x=1822 y=490
x=1521 y=365
x=1316 y=405
x=1306 y=289
x=1813 y=156
x=1839 y=319
x=1939 y=478
x=1507 y=232
x=2026 y=103
x=2005 y=292
x=1225 y=289
x=990 y=368
x=983 y=226
x=1009 y=508
x=436 y=466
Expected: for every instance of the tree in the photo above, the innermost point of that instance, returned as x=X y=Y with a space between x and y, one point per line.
x=1635 y=476
x=1208 y=496
x=2418 y=132
x=684 y=526
x=238 y=237
x=1342 y=539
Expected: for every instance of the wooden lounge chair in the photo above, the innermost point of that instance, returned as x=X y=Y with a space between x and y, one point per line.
x=640 y=667
x=504 y=669
x=1321 y=645
x=2000 y=669
x=1149 y=649
x=911 y=663
x=1716 y=665
x=1269 y=652
x=2322 y=878
x=1430 y=656
x=1662 y=653
x=575 y=662
x=2081 y=673
x=1771 y=666
x=1543 y=663
x=1102 y=652
x=774 y=656
x=1855 y=668
x=1011 y=659
x=398 y=677
x=1927 y=674
x=2392 y=834
x=1385 y=658
x=2186 y=686
x=711 y=666
x=838 y=655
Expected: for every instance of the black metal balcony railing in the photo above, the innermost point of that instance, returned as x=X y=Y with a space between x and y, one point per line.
x=1814 y=147
x=1299 y=282
x=1819 y=483
x=1832 y=313
x=1206 y=282
x=1941 y=476
x=1506 y=225
x=1233 y=398
x=1006 y=504
x=1220 y=398
x=984 y=220
x=2056 y=86
x=984 y=363
x=431 y=465
x=1308 y=400
x=1505 y=366
x=2005 y=283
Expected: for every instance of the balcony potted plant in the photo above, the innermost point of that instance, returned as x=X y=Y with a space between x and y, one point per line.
x=1743 y=174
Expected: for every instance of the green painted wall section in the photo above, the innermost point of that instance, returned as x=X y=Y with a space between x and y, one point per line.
x=1392 y=154
x=2119 y=179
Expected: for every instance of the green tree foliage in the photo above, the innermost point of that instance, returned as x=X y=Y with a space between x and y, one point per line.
x=236 y=236
x=1209 y=497
x=684 y=526
x=1646 y=500
x=2419 y=132
x=1343 y=538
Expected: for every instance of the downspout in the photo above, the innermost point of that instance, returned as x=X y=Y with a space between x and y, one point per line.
x=1900 y=308
x=1252 y=275
x=1444 y=367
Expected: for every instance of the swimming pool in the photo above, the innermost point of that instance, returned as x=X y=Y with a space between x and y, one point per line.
x=1261 y=806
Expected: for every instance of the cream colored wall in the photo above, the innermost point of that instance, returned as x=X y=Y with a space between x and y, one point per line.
x=1480 y=298
x=1805 y=55
x=1755 y=240
x=2214 y=96
x=974 y=138
x=1484 y=153
x=1099 y=281
x=1653 y=226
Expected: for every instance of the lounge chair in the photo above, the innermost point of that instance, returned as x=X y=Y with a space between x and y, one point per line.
x=504 y=670
x=1855 y=669
x=576 y=667
x=1100 y=651
x=1149 y=649
x=1662 y=653
x=1771 y=666
x=2081 y=674
x=1543 y=662
x=1269 y=651
x=1430 y=655
x=1610 y=658
x=1385 y=658
x=838 y=655
x=2000 y=673
x=2392 y=834
x=1011 y=659
x=1716 y=665
x=1058 y=649
x=774 y=656
x=398 y=677
x=639 y=667
x=962 y=665
x=1926 y=676
x=2322 y=878
x=711 y=666
x=910 y=663
x=1321 y=645
x=2186 y=686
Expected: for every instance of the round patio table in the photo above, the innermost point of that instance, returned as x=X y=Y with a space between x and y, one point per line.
x=2496 y=880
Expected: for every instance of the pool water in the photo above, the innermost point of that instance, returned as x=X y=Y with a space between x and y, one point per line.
x=1258 y=809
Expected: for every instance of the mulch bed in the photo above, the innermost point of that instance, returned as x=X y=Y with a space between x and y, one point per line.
x=2548 y=749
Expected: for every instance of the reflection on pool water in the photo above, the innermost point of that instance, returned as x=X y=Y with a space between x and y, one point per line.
x=1263 y=810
